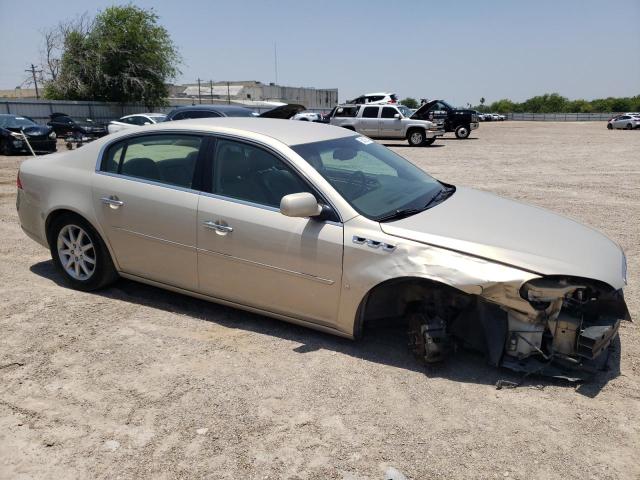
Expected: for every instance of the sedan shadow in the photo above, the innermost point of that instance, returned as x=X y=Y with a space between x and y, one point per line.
x=384 y=342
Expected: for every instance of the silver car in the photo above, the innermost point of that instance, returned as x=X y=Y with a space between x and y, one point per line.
x=320 y=226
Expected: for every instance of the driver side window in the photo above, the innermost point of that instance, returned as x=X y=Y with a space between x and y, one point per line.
x=245 y=172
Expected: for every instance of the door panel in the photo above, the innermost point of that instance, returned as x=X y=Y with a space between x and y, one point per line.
x=153 y=233
x=389 y=126
x=290 y=266
x=369 y=125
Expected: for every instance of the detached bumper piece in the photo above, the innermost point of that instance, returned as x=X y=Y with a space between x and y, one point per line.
x=593 y=340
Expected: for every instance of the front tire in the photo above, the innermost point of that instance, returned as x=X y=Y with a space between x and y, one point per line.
x=609 y=126
x=463 y=131
x=629 y=126
x=79 y=254
x=416 y=137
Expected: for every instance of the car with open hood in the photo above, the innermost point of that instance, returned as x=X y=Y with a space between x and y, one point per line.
x=18 y=132
x=458 y=120
x=323 y=227
x=66 y=126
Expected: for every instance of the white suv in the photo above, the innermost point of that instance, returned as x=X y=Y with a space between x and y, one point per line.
x=380 y=98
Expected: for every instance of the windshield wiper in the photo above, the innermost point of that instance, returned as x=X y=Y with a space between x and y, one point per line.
x=400 y=213
x=441 y=195
x=406 y=212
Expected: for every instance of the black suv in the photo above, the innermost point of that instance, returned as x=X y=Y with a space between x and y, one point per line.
x=454 y=120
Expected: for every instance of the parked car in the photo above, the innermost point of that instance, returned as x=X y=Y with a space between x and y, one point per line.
x=460 y=121
x=386 y=122
x=626 y=122
x=323 y=227
x=480 y=116
x=12 y=128
x=380 y=98
x=211 y=111
x=135 y=120
x=308 y=117
x=64 y=126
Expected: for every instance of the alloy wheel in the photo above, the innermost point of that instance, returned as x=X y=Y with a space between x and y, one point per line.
x=76 y=252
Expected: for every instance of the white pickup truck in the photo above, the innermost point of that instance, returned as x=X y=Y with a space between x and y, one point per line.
x=386 y=122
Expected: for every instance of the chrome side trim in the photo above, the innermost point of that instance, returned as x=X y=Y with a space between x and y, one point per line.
x=156 y=239
x=305 y=323
x=306 y=276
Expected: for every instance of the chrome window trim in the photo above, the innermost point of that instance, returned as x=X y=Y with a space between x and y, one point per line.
x=213 y=135
x=256 y=205
x=148 y=182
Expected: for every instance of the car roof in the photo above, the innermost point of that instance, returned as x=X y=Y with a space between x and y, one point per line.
x=289 y=133
x=210 y=108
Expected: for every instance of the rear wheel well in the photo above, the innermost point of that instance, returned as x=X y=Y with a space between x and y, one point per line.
x=397 y=297
x=349 y=127
x=53 y=216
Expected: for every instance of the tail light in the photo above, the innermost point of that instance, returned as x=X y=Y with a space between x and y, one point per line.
x=18 y=182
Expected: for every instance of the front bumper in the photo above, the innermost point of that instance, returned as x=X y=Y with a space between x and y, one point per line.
x=474 y=125
x=435 y=133
x=39 y=145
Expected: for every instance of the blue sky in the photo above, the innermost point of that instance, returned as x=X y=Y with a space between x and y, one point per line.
x=459 y=51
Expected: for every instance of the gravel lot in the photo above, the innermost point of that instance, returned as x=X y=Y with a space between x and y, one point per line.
x=136 y=382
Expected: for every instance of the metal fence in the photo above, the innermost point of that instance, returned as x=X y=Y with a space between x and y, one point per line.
x=561 y=117
x=39 y=110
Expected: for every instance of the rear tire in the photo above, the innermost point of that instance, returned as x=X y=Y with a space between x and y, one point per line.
x=416 y=137
x=463 y=131
x=79 y=254
x=629 y=126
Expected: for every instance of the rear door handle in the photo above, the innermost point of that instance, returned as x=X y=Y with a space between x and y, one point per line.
x=218 y=227
x=112 y=201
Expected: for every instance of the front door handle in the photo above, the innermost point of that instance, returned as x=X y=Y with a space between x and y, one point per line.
x=218 y=227
x=112 y=201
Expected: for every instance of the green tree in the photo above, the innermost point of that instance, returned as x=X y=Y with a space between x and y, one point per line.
x=125 y=56
x=410 y=102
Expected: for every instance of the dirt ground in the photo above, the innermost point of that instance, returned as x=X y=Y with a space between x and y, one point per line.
x=135 y=382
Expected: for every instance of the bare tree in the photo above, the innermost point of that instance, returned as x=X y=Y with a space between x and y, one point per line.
x=53 y=39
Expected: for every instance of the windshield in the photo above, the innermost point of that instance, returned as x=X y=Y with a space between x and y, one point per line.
x=374 y=180
x=158 y=118
x=9 y=121
x=406 y=112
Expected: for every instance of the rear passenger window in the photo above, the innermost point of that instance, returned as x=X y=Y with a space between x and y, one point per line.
x=370 y=112
x=249 y=173
x=169 y=159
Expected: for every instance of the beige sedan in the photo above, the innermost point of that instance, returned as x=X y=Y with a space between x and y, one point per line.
x=323 y=227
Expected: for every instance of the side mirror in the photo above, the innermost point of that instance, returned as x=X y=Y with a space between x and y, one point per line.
x=301 y=204
x=397 y=116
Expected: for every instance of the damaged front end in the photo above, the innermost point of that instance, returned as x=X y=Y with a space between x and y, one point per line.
x=559 y=327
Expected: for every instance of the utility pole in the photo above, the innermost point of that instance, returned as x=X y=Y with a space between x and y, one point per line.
x=199 y=95
x=211 y=89
x=275 y=59
x=228 y=94
x=35 y=81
